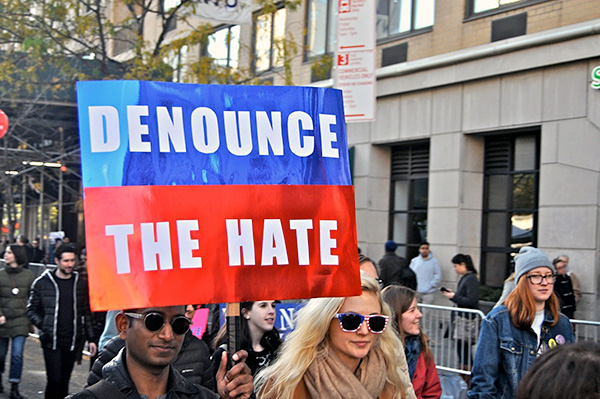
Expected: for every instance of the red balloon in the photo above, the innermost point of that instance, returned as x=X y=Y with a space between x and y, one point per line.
x=3 y=123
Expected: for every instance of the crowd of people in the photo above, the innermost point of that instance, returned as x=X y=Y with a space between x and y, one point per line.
x=367 y=346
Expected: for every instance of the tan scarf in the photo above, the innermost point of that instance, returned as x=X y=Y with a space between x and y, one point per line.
x=330 y=378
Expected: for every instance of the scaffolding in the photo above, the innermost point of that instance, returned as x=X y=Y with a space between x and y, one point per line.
x=40 y=182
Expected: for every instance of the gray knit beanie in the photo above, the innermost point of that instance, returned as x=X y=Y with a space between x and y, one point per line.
x=530 y=258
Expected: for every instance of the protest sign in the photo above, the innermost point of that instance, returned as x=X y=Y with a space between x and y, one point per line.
x=207 y=193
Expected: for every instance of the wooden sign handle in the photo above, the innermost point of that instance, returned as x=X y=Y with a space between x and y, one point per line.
x=233 y=328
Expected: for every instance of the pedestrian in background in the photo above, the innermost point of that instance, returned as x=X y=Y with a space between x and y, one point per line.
x=512 y=335
x=369 y=267
x=38 y=253
x=394 y=268
x=258 y=335
x=407 y=320
x=59 y=306
x=24 y=242
x=340 y=349
x=428 y=272
x=466 y=296
x=508 y=286
x=566 y=287
x=15 y=283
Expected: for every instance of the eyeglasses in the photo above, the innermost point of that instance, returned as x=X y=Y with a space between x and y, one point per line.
x=351 y=322
x=154 y=321
x=537 y=279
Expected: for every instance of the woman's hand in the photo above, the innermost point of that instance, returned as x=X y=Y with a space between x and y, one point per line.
x=448 y=294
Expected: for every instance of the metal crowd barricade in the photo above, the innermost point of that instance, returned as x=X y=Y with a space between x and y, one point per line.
x=39 y=268
x=437 y=324
x=586 y=330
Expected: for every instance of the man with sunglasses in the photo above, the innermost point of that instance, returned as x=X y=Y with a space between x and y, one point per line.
x=153 y=338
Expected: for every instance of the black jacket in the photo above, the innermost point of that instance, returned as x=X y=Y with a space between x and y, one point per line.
x=467 y=295
x=193 y=361
x=178 y=387
x=563 y=288
x=395 y=270
x=43 y=312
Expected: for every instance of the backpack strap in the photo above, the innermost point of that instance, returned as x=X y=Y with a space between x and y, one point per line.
x=105 y=390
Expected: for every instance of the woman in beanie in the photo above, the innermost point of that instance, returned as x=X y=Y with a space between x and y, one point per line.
x=515 y=333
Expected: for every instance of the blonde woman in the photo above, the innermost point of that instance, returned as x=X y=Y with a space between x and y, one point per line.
x=341 y=348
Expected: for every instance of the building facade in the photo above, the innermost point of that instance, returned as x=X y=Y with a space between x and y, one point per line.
x=481 y=146
x=487 y=130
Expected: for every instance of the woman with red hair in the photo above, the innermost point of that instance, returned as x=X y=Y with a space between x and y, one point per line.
x=512 y=335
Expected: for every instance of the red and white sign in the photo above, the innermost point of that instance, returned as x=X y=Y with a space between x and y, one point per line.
x=192 y=241
x=355 y=58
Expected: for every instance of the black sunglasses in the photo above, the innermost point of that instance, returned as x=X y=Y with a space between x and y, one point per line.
x=154 y=321
x=351 y=322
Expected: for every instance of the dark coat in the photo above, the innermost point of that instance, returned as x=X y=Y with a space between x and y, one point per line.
x=178 y=387
x=14 y=306
x=563 y=288
x=466 y=295
x=256 y=361
x=395 y=270
x=192 y=362
x=467 y=292
x=43 y=312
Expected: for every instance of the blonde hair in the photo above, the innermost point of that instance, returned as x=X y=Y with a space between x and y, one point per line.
x=310 y=341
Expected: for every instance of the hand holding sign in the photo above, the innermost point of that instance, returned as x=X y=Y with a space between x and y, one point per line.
x=237 y=382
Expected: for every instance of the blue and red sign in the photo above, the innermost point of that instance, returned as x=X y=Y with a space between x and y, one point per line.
x=207 y=193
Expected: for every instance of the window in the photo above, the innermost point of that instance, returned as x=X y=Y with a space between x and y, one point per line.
x=489 y=6
x=167 y=6
x=124 y=40
x=409 y=197
x=396 y=17
x=178 y=62
x=320 y=27
x=269 y=33
x=224 y=46
x=510 y=201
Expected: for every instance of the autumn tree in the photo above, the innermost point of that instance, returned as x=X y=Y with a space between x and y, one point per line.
x=46 y=46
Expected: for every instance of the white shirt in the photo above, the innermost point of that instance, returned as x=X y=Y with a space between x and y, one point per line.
x=537 y=325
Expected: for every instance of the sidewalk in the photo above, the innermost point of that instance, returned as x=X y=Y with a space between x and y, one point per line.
x=33 y=381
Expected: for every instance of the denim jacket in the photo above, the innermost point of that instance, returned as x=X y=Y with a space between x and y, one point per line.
x=505 y=352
